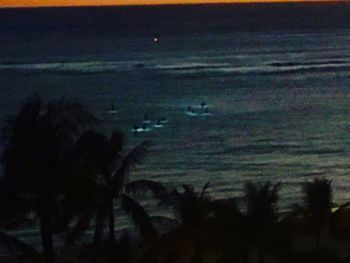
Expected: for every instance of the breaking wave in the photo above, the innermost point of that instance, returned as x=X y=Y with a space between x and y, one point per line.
x=181 y=67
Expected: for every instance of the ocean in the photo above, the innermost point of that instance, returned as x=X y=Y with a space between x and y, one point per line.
x=249 y=92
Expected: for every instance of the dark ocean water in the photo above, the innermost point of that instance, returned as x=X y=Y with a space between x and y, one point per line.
x=275 y=78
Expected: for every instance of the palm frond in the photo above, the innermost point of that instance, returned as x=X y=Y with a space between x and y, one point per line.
x=189 y=190
x=71 y=110
x=120 y=176
x=318 y=197
x=204 y=189
x=345 y=206
x=101 y=217
x=91 y=150
x=139 y=216
x=30 y=110
x=19 y=127
x=117 y=141
x=261 y=202
x=13 y=242
x=191 y=207
x=82 y=224
x=69 y=118
x=160 y=192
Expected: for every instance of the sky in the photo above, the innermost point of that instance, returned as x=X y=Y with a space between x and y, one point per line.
x=38 y=3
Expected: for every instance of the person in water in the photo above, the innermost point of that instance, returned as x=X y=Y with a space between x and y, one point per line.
x=145 y=118
x=205 y=108
x=135 y=130
x=112 y=109
x=144 y=127
x=158 y=124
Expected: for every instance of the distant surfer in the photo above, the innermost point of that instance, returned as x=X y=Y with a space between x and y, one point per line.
x=158 y=124
x=206 y=111
x=145 y=118
x=190 y=111
x=145 y=128
x=136 y=130
x=112 y=109
x=163 y=120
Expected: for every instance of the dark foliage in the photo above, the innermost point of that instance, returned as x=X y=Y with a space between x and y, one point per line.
x=37 y=140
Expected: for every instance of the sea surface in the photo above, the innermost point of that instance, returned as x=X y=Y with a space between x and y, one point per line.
x=275 y=80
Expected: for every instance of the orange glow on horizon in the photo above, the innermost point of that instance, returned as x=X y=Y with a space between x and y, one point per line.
x=48 y=3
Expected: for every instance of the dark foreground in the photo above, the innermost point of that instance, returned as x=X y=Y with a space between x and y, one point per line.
x=63 y=174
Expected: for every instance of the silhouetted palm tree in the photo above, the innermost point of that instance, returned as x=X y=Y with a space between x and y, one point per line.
x=190 y=207
x=317 y=205
x=97 y=156
x=231 y=231
x=188 y=239
x=262 y=213
x=193 y=211
x=102 y=159
x=37 y=140
x=140 y=217
x=14 y=214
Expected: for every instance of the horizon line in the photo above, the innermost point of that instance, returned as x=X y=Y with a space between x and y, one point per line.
x=247 y=2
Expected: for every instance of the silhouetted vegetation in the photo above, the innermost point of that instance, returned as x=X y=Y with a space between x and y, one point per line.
x=59 y=169
x=101 y=161
x=318 y=204
x=38 y=139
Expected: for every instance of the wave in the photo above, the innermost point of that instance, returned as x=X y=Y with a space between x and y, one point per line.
x=319 y=151
x=181 y=67
x=68 y=67
x=258 y=149
x=307 y=63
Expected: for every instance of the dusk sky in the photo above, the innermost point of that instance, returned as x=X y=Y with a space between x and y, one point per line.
x=28 y=3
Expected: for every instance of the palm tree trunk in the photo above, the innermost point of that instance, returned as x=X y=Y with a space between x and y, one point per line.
x=44 y=214
x=318 y=237
x=99 y=226
x=111 y=221
x=46 y=240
